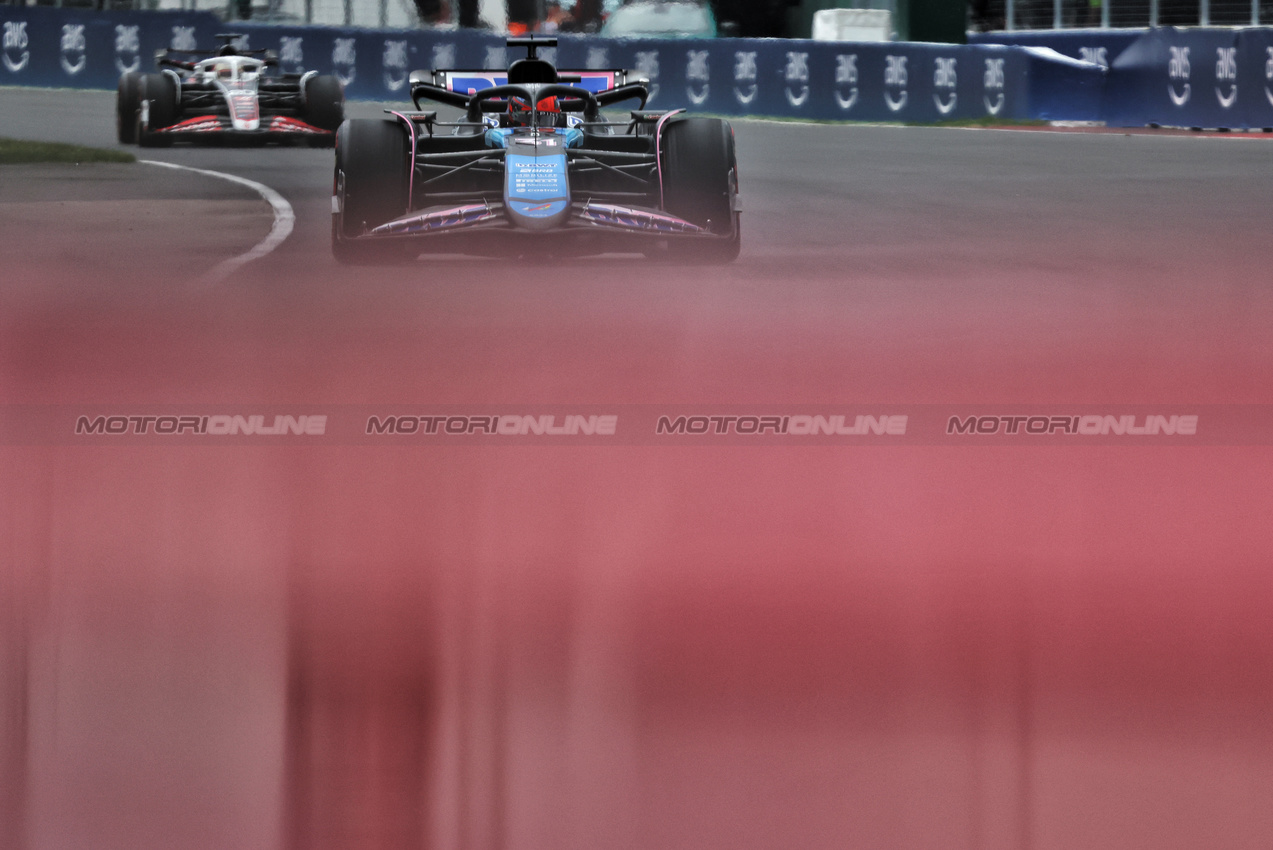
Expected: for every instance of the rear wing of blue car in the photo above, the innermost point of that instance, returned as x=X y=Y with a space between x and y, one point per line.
x=455 y=87
x=471 y=82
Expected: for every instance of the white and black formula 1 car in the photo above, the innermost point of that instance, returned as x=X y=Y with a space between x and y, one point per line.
x=227 y=94
x=534 y=167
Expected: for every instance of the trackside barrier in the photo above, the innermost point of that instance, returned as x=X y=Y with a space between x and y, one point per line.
x=1177 y=77
x=1193 y=77
x=1099 y=46
x=79 y=48
x=785 y=78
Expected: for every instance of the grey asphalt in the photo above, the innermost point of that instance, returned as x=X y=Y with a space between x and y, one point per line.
x=713 y=646
x=1089 y=244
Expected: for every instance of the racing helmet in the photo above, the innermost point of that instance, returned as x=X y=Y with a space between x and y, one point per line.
x=519 y=110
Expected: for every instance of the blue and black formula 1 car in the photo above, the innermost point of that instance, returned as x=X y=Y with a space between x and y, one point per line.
x=533 y=166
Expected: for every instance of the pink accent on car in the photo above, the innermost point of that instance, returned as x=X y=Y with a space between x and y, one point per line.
x=658 y=155
x=411 y=131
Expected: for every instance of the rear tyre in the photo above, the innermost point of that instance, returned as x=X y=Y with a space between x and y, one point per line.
x=127 y=102
x=700 y=183
x=159 y=96
x=324 y=103
x=373 y=175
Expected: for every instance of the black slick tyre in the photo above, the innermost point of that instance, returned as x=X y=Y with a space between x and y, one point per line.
x=324 y=102
x=373 y=172
x=127 y=103
x=159 y=102
x=700 y=182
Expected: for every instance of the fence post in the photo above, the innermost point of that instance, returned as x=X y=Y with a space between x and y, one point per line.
x=1010 y=12
x=1204 y=13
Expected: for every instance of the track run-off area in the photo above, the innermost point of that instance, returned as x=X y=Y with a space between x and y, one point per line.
x=688 y=644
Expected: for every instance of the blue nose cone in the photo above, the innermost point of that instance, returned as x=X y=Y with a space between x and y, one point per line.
x=536 y=188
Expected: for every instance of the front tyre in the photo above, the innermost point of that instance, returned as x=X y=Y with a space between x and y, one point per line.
x=127 y=104
x=372 y=184
x=324 y=102
x=159 y=103
x=700 y=185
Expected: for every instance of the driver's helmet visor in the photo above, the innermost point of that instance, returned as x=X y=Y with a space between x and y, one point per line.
x=520 y=112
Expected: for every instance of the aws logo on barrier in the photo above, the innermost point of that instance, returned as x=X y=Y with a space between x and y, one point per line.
x=1178 y=70
x=895 y=82
x=344 y=60
x=183 y=39
x=698 y=76
x=1268 y=73
x=291 y=53
x=993 y=82
x=647 y=65
x=798 y=77
x=846 y=80
x=127 y=48
x=598 y=59
x=1227 y=70
x=745 y=76
x=16 y=55
x=73 y=46
x=944 y=80
x=394 y=62
x=1095 y=55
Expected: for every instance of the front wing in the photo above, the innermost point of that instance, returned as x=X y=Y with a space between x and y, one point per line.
x=272 y=127
x=483 y=226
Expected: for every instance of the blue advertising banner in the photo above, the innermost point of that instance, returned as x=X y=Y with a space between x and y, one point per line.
x=80 y=48
x=374 y=64
x=787 y=78
x=1255 y=76
x=1177 y=77
x=796 y=79
x=821 y=80
x=1192 y=77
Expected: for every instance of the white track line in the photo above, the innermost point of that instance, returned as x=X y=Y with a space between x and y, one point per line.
x=284 y=219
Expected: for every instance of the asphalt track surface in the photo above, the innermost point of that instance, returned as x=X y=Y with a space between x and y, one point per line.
x=646 y=646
